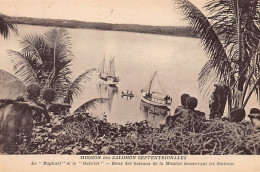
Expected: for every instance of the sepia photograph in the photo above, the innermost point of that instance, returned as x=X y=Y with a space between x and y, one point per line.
x=133 y=78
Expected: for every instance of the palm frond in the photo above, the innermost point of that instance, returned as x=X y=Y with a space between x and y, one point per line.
x=253 y=80
x=6 y=24
x=241 y=45
x=255 y=87
x=91 y=104
x=6 y=76
x=22 y=67
x=60 y=54
x=225 y=15
x=78 y=85
x=62 y=83
x=201 y=26
x=34 y=45
x=58 y=41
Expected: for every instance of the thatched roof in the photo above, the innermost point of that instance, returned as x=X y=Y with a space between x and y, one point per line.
x=10 y=86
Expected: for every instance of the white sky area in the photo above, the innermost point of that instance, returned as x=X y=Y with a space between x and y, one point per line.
x=146 y=12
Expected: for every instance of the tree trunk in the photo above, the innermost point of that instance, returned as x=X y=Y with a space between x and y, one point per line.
x=241 y=78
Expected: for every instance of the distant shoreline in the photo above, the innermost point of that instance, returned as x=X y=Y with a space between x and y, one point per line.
x=183 y=31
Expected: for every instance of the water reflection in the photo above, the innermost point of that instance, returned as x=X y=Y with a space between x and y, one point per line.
x=154 y=114
x=107 y=91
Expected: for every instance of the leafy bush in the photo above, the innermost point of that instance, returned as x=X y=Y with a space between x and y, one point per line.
x=83 y=134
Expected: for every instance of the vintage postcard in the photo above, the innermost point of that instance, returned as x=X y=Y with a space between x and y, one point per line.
x=129 y=85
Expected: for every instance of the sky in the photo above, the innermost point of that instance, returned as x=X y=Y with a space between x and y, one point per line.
x=147 y=12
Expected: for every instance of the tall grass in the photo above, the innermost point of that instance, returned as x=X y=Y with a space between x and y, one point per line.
x=83 y=134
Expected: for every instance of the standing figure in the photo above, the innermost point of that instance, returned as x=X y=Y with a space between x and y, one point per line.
x=218 y=101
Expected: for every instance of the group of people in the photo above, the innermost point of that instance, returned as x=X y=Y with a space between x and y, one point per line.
x=17 y=116
x=186 y=115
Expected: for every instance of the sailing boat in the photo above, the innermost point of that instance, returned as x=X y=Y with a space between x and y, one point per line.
x=109 y=76
x=103 y=74
x=154 y=93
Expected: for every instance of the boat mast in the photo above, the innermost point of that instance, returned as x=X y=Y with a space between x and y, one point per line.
x=112 y=67
x=150 y=85
x=103 y=67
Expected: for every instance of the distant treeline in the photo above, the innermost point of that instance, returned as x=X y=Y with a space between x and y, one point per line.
x=163 y=30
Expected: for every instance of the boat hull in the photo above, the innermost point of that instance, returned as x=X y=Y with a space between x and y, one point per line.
x=153 y=103
x=109 y=82
x=112 y=82
x=103 y=78
x=127 y=95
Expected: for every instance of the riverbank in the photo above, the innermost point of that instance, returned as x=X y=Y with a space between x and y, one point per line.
x=161 y=30
x=83 y=134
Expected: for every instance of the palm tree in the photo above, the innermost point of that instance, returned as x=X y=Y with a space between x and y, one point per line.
x=46 y=60
x=230 y=36
x=6 y=24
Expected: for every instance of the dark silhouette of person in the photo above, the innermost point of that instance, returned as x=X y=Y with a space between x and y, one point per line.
x=237 y=115
x=188 y=117
x=54 y=107
x=34 y=91
x=218 y=101
x=183 y=102
x=255 y=118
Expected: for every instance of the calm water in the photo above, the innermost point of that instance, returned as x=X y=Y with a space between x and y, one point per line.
x=178 y=61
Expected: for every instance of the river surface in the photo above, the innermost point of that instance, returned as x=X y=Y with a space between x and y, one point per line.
x=177 y=60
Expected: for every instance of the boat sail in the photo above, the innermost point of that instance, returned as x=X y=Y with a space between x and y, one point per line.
x=112 y=72
x=109 y=76
x=154 y=94
x=103 y=74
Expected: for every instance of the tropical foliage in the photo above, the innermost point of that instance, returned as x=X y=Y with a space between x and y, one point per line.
x=230 y=35
x=84 y=134
x=46 y=60
x=6 y=24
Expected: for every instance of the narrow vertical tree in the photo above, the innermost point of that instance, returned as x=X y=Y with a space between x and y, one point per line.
x=230 y=35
